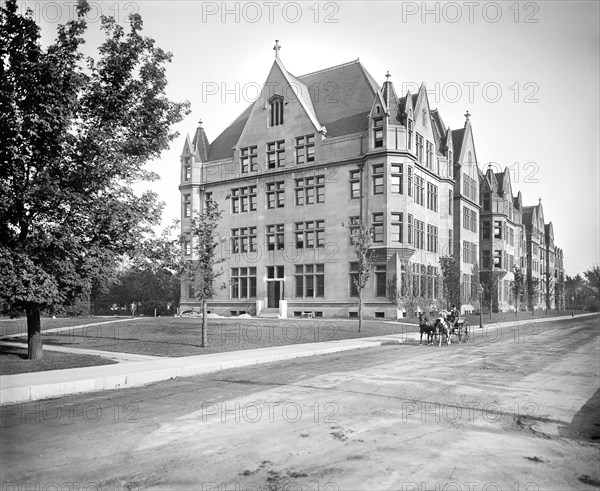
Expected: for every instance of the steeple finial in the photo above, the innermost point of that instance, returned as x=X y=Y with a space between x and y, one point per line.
x=539 y=201
x=200 y=123
x=467 y=115
x=277 y=48
x=387 y=76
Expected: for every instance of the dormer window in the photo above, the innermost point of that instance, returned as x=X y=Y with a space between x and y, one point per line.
x=276 y=111
x=378 y=132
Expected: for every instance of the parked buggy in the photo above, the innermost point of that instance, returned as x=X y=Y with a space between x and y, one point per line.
x=460 y=328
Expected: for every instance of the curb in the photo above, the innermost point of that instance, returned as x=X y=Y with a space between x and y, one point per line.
x=56 y=383
x=34 y=386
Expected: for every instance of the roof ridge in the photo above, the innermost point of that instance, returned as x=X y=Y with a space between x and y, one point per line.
x=329 y=68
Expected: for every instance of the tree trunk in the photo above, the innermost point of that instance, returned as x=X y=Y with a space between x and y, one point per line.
x=204 y=340
x=516 y=306
x=34 y=334
x=360 y=312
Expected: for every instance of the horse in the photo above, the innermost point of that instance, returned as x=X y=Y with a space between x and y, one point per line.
x=442 y=329
x=427 y=327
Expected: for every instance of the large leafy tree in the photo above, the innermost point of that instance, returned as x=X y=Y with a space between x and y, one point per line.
x=76 y=134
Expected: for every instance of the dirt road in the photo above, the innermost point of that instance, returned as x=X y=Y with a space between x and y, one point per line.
x=516 y=410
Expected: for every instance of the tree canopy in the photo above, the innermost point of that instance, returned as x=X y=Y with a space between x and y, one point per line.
x=76 y=136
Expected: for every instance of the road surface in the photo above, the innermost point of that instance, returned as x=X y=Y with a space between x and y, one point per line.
x=516 y=409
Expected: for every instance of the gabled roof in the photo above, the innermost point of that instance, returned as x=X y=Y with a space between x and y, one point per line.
x=339 y=98
x=343 y=98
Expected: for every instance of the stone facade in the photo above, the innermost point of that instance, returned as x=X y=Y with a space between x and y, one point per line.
x=309 y=157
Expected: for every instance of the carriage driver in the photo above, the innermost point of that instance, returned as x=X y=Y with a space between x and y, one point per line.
x=454 y=315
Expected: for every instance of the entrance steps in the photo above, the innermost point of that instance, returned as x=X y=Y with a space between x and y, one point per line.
x=269 y=313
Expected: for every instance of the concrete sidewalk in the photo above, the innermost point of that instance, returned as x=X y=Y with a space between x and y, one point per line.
x=41 y=385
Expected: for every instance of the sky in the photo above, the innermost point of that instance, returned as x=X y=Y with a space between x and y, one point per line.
x=528 y=73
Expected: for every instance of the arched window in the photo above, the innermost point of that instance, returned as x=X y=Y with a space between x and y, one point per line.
x=276 y=111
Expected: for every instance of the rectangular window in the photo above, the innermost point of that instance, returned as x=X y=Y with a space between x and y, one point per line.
x=354 y=184
x=275 y=236
x=419 y=190
x=486 y=259
x=432 y=197
x=486 y=202
x=378 y=132
x=187 y=205
x=497 y=229
x=276 y=111
x=377 y=179
x=249 y=159
x=310 y=190
x=243 y=199
x=450 y=201
x=450 y=243
x=511 y=236
x=380 y=280
x=397 y=225
x=187 y=246
x=243 y=239
x=187 y=169
x=377 y=227
x=410 y=134
x=397 y=179
x=419 y=234
x=409 y=235
x=310 y=280
x=275 y=154
x=473 y=215
x=498 y=258
x=305 y=149
x=429 y=154
x=466 y=217
x=275 y=194
x=243 y=282
x=419 y=148
x=466 y=252
x=207 y=198
x=310 y=234
x=353 y=278
x=485 y=229
x=450 y=163
x=432 y=238
x=409 y=183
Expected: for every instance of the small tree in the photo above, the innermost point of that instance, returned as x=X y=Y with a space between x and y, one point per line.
x=406 y=297
x=200 y=271
x=517 y=287
x=549 y=293
x=451 y=274
x=361 y=238
x=475 y=285
x=533 y=289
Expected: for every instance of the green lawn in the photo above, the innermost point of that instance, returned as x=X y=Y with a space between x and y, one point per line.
x=14 y=360
x=168 y=336
x=19 y=326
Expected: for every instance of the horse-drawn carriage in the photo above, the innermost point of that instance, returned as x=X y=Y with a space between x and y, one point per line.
x=443 y=328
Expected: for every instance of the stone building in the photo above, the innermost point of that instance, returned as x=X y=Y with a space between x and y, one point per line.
x=317 y=151
x=502 y=240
